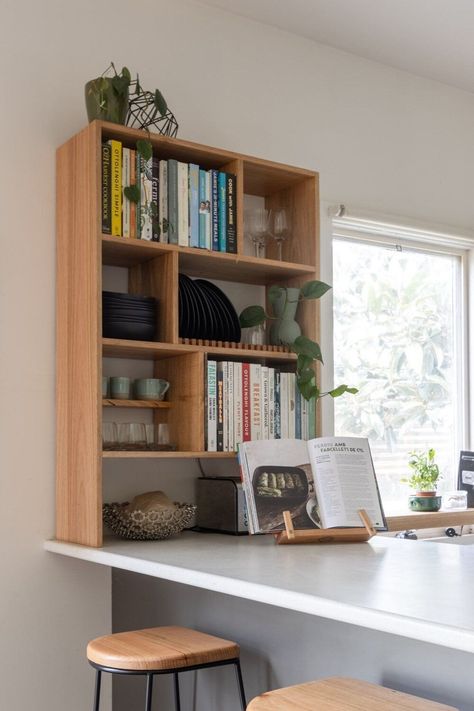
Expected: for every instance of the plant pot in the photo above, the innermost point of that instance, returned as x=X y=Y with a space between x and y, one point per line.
x=285 y=330
x=424 y=501
x=104 y=103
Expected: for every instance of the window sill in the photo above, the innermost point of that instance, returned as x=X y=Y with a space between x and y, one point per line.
x=431 y=519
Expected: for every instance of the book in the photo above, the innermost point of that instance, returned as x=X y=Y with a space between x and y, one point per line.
x=116 y=188
x=211 y=406
x=222 y=211
x=125 y=184
x=183 y=205
x=238 y=420
x=207 y=220
x=145 y=223
x=291 y=405
x=255 y=395
x=220 y=407
x=203 y=208
x=193 y=177
x=264 y=402
x=322 y=483
x=229 y=406
x=155 y=197
x=133 y=205
x=277 y=404
x=271 y=403
x=106 y=188
x=173 y=201
x=284 y=405
x=231 y=238
x=245 y=402
x=163 y=200
x=214 y=211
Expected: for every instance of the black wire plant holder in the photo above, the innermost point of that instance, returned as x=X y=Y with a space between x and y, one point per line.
x=143 y=113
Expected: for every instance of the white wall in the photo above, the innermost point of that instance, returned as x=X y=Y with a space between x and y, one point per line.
x=382 y=139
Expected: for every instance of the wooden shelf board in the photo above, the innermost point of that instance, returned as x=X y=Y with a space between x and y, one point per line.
x=429 y=519
x=126 y=252
x=150 y=350
x=155 y=404
x=110 y=454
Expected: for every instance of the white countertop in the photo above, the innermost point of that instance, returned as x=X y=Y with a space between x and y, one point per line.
x=408 y=588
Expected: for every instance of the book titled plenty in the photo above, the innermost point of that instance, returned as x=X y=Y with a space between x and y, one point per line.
x=322 y=483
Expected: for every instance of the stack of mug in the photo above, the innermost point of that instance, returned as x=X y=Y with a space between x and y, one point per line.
x=122 y=388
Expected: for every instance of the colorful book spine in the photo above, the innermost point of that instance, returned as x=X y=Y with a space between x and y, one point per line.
x=138 y=169
x=222 y=212
x=125 y=184
x=116 y=188
x=284 y=406
x=173 y=201
x=298 y=431
x=312 y=418
x=304 y=418
x=277 y=404
x=146 y=188
x=211 y=406
x=264 y=402
x=271 y=402
x=155 y=197
x=246 y=433
x=214 y=210
x=231 y=214
x=238 y=420
x=220 y=407
x=106 y=189
x=202 y=208
x=225 y=418
x=163 y=201
x=255 y=395
x=229 y=404
x=193 y=176
x=207 y=222
x=133 y=205
x=291 y=405
x=183 y=205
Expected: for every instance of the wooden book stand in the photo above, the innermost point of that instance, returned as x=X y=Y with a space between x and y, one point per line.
x=326 y=535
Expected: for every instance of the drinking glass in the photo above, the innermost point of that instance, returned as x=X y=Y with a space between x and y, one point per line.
x=131 y=435
x=280 y=228
x=109 y=435
x=257 y=223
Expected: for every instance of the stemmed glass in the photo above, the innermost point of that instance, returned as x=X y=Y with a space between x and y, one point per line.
x=280 y=228
x=257 y=224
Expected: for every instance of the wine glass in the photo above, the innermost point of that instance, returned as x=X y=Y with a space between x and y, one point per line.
x=280 y=228
x=257 y=225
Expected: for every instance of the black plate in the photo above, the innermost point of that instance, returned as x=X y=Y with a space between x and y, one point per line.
x=210 y=320
x=194 y=323
x=188 y=309
x=129 y=331
x=219 y=312
x=133 y=298
x=229 y=314
x=201 y=326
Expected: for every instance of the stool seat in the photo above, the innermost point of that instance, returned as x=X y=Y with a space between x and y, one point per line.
x=159 y=648
x=341 y=694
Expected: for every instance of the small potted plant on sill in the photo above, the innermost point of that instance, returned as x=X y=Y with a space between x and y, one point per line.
x=424 y=481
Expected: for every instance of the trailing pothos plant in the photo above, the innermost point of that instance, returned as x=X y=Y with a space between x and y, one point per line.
x=308 y=351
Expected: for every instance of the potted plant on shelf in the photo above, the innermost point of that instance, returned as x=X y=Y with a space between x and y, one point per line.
x=286 y=330
x=424 y=481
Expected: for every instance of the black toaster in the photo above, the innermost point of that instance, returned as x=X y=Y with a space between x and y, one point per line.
x=221 y=505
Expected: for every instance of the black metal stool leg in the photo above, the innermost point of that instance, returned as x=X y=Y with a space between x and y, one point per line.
x=177 y=702
x=98 y=676
x=149 y=691
x=240 y=682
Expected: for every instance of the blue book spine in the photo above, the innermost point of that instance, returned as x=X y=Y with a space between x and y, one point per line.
x=214 y=211
x=222 y=189
x=297 y=412
x=173 y=201
x=277 y=404
x=193 y=176
x=202 y=209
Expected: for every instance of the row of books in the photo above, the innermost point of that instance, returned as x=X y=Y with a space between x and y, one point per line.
x=249 y=401
x=178 y=203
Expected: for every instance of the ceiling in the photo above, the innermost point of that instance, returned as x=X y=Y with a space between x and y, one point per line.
x=431 y=38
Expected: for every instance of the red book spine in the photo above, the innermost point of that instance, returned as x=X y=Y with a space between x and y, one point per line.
x=245 y=402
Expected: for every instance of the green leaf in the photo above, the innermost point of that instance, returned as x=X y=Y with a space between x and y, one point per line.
x=337 y=392
x=352 y=391
x=160 y=103
x=308 y=390
x=120 y=85
x=138 y=88
x=132 y=193
x=307 y=347
x=306 y=376
x=126 y=74
x=252 y=316
x=274 y=293
x=303 y=362
x=314 y=289
x=145 y=149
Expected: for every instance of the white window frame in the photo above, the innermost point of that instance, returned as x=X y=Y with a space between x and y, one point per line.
x=383 y=229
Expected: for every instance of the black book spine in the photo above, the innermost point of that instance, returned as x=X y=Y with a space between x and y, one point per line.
x=106 y=189
x=220 y=408
x=155 y=197
x=231 y=214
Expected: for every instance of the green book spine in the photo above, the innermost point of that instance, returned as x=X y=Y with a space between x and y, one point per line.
x=106 y=189
x=173 y=201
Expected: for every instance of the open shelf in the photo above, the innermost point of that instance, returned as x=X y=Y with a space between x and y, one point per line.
x=150 y=350
x=126 y=252
x=155 y=404
x=111 y=454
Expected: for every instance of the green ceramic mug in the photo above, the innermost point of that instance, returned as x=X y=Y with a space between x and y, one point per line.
x=150 y=388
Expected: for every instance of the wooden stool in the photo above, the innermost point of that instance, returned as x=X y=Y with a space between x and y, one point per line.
x=340 y=694
x=161 y=650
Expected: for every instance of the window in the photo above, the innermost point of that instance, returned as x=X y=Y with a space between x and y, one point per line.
x=399 y=322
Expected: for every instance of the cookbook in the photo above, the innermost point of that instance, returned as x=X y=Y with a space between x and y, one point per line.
x=322 y=482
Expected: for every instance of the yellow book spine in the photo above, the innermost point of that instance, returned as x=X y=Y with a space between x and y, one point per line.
x=116 y=187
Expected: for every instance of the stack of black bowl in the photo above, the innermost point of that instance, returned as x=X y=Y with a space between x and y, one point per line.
x=128 y=316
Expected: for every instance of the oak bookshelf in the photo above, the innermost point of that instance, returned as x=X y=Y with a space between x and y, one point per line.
x=153 y=269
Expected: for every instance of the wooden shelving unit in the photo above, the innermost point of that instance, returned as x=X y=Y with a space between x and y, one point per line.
x=153 y=269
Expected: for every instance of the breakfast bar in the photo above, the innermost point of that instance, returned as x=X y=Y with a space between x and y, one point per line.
x=419 y=592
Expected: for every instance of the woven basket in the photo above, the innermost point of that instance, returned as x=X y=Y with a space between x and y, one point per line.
x=155 y=525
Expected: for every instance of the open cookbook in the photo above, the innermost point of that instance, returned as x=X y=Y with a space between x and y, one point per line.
x=322 y=483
